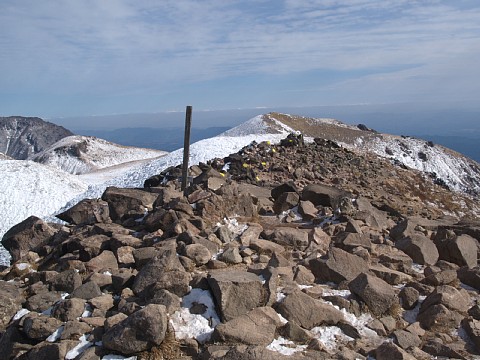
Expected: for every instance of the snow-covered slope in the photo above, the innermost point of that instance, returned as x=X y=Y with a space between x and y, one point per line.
x=29 y=188
x=82 y=154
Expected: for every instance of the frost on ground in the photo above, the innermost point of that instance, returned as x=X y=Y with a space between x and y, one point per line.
x=198 y=326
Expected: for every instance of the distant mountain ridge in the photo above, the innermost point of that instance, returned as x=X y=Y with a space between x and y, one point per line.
x=21 y=137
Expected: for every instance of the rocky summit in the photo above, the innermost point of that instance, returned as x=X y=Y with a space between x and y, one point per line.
x=296 y=250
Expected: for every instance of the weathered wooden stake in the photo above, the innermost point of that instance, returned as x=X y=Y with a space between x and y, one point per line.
x=186 y=146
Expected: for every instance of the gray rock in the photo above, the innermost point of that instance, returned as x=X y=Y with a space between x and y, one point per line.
x=236 y=292
x=198 y=253
x=47 y=350
x=68 y=309
x=11 y=298
x=231 y=256
x=42 y=301
x=164 y=297
x=409 y=297
x=324 y=195
x=457 y=300
x=87 y=291
x=257 y=327
x=307 y=312
x=39 y=327
x=439 y=318
x=471 y=277
x=307 y=210
x=139 y=332
x=285 y=202
x=462 y=250
x=421 y=249
x=128 y=203
x=295 y=238
x=390 y=351
x=67 y=281
x=87 y=212
x=339 y=266
x=406 y=340
x=376 y=293
x=105 y=261
x=29 y=235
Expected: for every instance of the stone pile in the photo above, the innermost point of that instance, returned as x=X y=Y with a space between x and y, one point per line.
x=295 y=251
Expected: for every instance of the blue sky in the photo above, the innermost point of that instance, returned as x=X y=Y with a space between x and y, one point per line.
x=68 y=57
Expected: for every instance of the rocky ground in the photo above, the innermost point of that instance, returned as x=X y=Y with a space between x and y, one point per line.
x=295 y=251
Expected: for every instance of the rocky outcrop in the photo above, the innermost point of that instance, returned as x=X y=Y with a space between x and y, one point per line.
x=21 y=137
x=219 y=272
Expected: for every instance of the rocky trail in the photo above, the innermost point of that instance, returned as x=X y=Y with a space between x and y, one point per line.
x=280 y=251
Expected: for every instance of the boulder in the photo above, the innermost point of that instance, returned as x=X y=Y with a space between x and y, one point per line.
x=257 y=327
x=39 y=327
x=307 y=312
x=141 y=331
x=198 y=253
x=338 y=266
x=461 y=250
x=105 y=261
x=453 y=299
x=128 y=203
x=285 y=202
x=236 y=292
x=66 y=281
x=471 y=277
x=403 y=229
x=406 y=339
x=421 y=249
x=11 y=299
x=29 y=235
x=42 y=301
x=439 y=318
x=68 y=309
x=165 y=261
x=288 y=187
x=87 y=212
x=409 y=297
x=390 y=351
x=324 y=195
x=87 y=291
x=472 y=327
x=48 y=350
x=376 y=293
x=291 y=237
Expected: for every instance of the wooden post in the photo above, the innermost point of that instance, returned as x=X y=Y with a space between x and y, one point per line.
x=186 y=146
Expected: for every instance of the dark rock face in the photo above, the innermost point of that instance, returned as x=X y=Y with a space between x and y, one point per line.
x=376 y=293
x=87 y=212
x=21 y=137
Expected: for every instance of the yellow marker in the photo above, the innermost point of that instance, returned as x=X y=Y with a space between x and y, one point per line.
x=245 y=165
x=273 y=150
x=257 y=178
x=222 y=174
x=264 y=163
x=268 y=142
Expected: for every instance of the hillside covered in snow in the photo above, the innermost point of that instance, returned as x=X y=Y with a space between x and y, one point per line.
x=82 y=154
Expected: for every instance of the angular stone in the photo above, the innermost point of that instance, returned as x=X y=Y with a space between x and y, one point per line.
x=236 y=292
x=231 y=256
x=350 y=240
x=141 y=331
x=68 y=309
x=376 y=293
x=11 y=298
x=421 y=249
x=105 y=261
x=457 y=300
x=294 y=238
x=124 y=203
x=406 y=340
x=257 y=327
x=307 y=210
x=393 y=277
x=285 y=202
x=87 y=212
x=39 y=327
x=198 y=253
x=266 y=247
x=28 y=235
x=324 y=195
x=42 y=301
x=67 y=281
x=462 y=250
x=439 y=318
x=307 y=312
x=390 y=351
x=339 y=266
x=276 y=192
x=87 y=291
x=409 y=297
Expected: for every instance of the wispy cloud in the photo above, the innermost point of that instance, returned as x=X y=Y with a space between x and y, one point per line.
x=122 y=47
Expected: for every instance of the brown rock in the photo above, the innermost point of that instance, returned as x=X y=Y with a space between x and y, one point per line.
x=376 y=293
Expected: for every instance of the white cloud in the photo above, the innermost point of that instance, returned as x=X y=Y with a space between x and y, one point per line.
x=121 y=46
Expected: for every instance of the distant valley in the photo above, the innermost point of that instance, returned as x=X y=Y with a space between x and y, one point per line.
x=166 y=139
